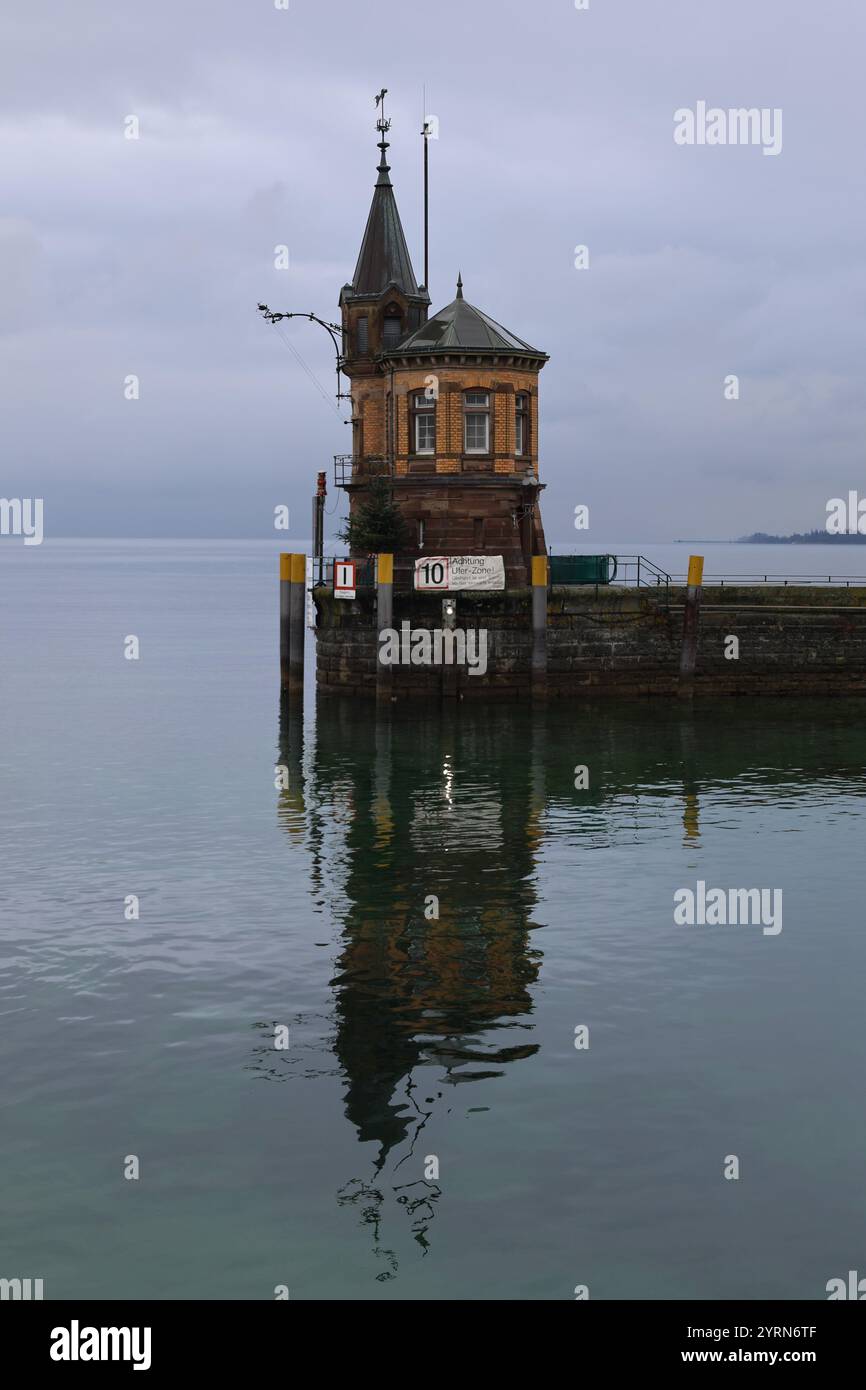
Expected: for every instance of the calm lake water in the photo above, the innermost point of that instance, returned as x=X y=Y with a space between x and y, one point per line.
x=411 y=1038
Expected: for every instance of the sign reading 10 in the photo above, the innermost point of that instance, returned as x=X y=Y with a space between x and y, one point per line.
x=432 y=574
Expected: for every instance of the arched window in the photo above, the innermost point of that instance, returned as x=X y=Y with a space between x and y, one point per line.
x=476 y=422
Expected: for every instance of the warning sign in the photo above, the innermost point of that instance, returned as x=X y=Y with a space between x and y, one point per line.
x=344 y=579
x=453 y=572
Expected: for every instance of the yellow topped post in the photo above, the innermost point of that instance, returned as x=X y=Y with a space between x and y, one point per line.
x=384 y=619
x=539 y=572
x=298 y=567
x=285 y=630
x=293 y=579
x=691 y=614
x=696 y=571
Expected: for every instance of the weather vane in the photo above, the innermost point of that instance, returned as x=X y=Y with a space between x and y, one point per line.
x=382 y=125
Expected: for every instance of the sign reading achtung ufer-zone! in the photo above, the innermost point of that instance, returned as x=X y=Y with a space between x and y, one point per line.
x=453 y=572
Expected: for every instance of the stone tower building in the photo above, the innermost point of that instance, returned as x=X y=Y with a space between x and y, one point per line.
x=446 y=407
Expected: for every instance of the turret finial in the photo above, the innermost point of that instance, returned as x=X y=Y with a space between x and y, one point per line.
x=383 y=126
x=459 y=285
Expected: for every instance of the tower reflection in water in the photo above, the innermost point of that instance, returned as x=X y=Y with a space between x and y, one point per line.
x=422 y=835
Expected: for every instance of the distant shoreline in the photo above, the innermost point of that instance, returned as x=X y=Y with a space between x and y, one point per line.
x=807 y=538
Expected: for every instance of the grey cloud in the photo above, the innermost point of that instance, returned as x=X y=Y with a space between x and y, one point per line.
x=555 y=129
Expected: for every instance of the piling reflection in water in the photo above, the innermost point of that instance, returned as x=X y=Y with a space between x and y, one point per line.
x=427 y=974
x=423 y=840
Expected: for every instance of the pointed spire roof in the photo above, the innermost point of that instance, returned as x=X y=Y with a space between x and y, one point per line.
x=460 y=327
x=384 y=257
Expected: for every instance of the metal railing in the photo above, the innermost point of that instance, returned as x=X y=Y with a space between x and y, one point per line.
x=847 y=581
x=365 y=572
x=348 y=469
x=640 y=572
x=634 y=571
x=342 y=469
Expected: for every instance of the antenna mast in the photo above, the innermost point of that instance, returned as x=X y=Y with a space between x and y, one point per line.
x=426 y=134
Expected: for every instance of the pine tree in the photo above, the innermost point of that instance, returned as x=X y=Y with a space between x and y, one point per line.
x=377 y=526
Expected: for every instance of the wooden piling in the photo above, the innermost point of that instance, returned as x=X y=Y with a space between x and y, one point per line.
x=285 y=629
x=539 y=627
x=384 y=619
x=691 y=620
x=293 y=580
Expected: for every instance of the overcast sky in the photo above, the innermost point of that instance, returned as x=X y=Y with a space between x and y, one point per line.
x=555 y=129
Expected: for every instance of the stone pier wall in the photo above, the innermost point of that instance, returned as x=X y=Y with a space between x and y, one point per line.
x=792 y=640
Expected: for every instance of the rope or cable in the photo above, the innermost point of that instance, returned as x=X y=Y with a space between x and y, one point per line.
x=314 y=379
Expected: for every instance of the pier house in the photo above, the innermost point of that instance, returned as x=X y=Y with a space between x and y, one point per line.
x=445 y=410
x=444 y=406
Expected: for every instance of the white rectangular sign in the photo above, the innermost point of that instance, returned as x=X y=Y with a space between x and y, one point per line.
x=344 y=579
x=311 y=607
x=450 y=573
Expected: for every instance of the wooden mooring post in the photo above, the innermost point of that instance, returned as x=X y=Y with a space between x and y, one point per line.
x=539 y=627
x=293 y=578
x=691 y=619
x=384 y=619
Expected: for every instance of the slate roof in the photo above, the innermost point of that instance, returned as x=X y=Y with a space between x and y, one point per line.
x=384 y=257
x=460 y=327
